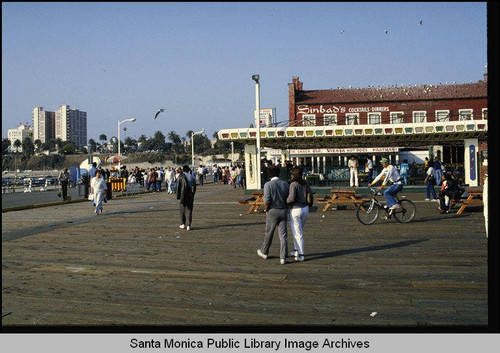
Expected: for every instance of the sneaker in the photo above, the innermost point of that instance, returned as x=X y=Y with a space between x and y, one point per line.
x=282 y=261
x=182 y=226
x=295 y=253
x=299 y=258
x=427 y=199
x=395 y=207
x=261 y=254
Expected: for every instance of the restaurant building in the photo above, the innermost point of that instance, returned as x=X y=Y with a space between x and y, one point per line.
x=326 y=127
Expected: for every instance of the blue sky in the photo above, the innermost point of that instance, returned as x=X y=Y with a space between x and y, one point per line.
x=196 y=60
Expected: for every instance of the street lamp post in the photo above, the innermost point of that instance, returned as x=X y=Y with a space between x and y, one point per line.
x=119 y=123
x=192 y=146
x=257 y=122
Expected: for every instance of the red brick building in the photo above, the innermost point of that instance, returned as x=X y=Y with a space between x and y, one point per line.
x=392 y=105
x=389 y=104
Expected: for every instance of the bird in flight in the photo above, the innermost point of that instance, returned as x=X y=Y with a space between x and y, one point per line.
x=161 y=110
x=342 y=32
x=102 y=70
x=421 y=22
x=386 y=31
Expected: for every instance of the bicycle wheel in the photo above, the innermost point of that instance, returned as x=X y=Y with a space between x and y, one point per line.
x=367 y=212
x=406 y=213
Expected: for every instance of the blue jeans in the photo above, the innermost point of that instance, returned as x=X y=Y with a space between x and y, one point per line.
x=405 y=178
x=438 y=174
x=389 y=194
x=429 y=189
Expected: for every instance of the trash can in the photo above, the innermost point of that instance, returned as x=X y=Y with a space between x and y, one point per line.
x=109 y=194
x=83 y=186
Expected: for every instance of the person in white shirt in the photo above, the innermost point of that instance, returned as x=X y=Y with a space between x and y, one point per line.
x=389 y=173
x=369 y=169
x=169 y=178
x=353 y=171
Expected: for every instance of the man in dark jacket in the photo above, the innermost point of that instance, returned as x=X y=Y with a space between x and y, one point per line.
x=275 y=195
x=186 y=188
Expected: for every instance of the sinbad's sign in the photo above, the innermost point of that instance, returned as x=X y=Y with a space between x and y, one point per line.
x=333 y=109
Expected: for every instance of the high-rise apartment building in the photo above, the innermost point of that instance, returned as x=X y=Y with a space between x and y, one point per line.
x=43 y=124
x=20 y=133
x=71 y=125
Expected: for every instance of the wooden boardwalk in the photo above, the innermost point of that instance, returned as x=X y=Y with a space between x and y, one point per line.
x=62 y=265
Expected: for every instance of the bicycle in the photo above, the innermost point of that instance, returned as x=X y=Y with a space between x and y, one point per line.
x=368 y=211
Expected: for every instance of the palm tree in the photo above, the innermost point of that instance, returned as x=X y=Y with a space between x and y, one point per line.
x=103 y=137
x=38 y=144
x=172 y=136
x=17 y=144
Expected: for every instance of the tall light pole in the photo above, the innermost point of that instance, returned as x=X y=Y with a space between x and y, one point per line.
x=119 y=123
x=257 y=122
x=232 y=153
x=192 y=146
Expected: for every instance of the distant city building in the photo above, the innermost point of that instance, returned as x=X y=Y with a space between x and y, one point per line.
x=20 y=133
x=43 y=124
x=71 y=125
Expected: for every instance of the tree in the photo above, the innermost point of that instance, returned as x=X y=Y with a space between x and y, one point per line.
x=28 y=146
x=17 y=144
x=68 y=147
x=59 y=142
x=5 y=145
x=92 y=145
x=172 y=136
x=103 y=138
x=38 y=144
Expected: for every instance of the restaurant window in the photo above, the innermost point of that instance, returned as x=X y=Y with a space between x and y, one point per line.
x=309 y=120
x=485 y=114
x=419 y=116
x=397 y=117
x=465 y=114
x=374 y=118
x=352 y=119
x=442 y=115
x=330 y=119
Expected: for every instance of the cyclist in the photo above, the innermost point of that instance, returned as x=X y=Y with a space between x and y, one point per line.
x=389 y=173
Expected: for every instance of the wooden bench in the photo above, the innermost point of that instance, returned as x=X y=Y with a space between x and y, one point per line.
x=475 y=198
x=255 y=201
x=341 y=196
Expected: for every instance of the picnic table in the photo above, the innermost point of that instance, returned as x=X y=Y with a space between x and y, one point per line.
x=255 y=201
x=475 y=198
x=341 y=196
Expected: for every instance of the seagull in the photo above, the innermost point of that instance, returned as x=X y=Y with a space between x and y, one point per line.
x=421 y=22
x=158 y=112
x=386 y=31
x=103 y=70
x=342 y=32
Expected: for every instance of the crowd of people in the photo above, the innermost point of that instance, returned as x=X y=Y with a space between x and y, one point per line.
x=287 y=195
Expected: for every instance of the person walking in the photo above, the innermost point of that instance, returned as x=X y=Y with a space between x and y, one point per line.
x=64 y=181
x=275 y=195
x=186 y=189
x=152 y=178
x=169 y=177
x=438 y=170
x=369 y=169
x=297 y=200
x=403 y=171
x=353 y=171
x=201 y=175
x=98 y=189
x=429 y=182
